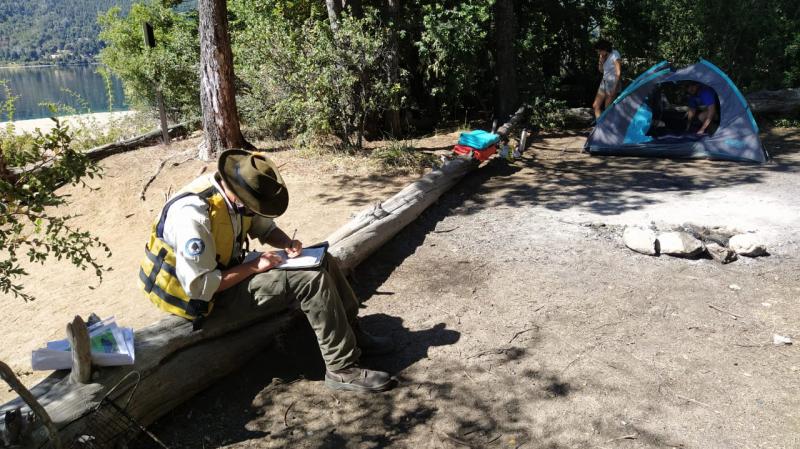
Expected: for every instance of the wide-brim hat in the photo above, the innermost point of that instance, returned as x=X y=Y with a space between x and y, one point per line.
x=255 y=180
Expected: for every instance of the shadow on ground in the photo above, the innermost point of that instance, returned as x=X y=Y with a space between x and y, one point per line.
x=563 y=178
x=474 y=399
x=559 y=177
x=272 y=403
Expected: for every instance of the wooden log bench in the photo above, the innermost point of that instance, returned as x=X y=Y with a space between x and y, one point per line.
x=174 y=362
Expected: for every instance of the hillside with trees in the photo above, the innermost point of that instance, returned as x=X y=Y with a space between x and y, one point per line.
x=52 y=31
x=367 y=68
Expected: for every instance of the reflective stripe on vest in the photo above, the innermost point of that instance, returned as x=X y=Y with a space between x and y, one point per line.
x=157 y=276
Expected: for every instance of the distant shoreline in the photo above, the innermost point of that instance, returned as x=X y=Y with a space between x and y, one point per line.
x=34 y=66
x=100 y=119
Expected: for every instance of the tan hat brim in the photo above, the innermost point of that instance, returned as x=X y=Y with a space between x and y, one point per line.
x=270 y=207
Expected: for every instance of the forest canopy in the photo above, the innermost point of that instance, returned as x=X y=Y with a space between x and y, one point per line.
x=52 y=31
x=418 y=62
x=439 y=60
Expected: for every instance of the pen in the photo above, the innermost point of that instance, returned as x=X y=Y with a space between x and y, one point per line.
x=293 y=234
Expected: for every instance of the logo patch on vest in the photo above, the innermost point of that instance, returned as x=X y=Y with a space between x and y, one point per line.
x=195 y=247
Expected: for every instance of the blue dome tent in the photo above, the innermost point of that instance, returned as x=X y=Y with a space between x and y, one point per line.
x=637 y=124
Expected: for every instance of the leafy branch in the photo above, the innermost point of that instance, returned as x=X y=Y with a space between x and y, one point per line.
x=32 y=169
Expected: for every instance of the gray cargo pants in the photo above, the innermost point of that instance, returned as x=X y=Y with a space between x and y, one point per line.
x=324 y=296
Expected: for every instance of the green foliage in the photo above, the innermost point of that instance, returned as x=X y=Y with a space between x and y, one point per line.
x=294 y=78
x=547 y=114
x=303 y=80
x=87 y=132
x=453 y=47
x=171 y=66
x=32 y=168
x=755 y=43
x=402 y=155
x=63 y=31
x=785 y=123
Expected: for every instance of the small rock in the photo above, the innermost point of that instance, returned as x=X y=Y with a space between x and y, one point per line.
x=734 y=287
x=748 y=245
x=680 y=244
x=640 y=240
x=720 y=253
x=780 y=340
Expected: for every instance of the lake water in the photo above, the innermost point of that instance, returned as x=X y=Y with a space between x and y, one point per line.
x=70 y=86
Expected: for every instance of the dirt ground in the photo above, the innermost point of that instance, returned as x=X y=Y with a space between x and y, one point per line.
x=326 y=191
x=522 y=320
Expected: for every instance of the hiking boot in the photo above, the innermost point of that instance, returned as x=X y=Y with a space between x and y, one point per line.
x=355 y=378
x=371 y=345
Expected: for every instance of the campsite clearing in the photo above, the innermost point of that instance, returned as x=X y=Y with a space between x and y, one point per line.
x=523 y=320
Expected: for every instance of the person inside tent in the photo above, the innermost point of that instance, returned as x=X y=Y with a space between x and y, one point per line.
x=609 y=64
x=702 y=106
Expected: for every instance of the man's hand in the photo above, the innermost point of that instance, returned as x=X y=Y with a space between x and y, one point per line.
x=294 y=248
x=267 y=261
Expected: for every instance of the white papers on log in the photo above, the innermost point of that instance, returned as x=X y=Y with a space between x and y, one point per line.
x=110 y=344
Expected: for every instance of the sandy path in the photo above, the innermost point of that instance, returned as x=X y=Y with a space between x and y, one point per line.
x=99 y=119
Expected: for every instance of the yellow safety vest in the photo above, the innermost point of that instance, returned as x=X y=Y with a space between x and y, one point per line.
x=157 y=275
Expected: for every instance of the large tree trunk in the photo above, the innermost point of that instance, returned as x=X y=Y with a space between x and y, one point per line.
x=784 y=102
x=393 y=60
x=764 y=103
x=334 y=11
x=217 y=91
x=505 y=69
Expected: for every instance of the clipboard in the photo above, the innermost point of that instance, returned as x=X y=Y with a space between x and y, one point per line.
x=311 y=258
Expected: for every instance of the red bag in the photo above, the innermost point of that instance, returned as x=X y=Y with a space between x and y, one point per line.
x=480 y=155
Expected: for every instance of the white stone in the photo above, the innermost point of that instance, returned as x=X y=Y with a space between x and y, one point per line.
x=680 y=244
x=640 y=240
x=780 y=340
x=749 y=245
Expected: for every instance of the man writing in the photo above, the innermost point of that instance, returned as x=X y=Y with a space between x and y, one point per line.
x=702 y=105
x=194 y=260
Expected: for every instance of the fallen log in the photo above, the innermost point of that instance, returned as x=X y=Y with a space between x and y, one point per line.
x=373 y=227
x=168 y=350
x=775 y=102
x=785 y=102
x=153 y=137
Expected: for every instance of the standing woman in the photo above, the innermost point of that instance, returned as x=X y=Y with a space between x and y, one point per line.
x=609 y=65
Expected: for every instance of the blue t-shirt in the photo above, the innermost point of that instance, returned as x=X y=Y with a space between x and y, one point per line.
x=704 y=98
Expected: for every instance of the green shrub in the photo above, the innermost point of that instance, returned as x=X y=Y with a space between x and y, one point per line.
x=171 y=66
x=546 y=114
x=453 y=53
x=304 y=81
x=32 y=168
x=402 y=155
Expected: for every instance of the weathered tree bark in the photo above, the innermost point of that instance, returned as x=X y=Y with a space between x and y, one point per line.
x=11 y=379
x=78 y=337
x=506 y=67
x=784 y=102
x=153 y=137
x=169 y=350
x=775 y=102
x=217 y=91
x=393 y=60
x=334 y=11
x=367 y=231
